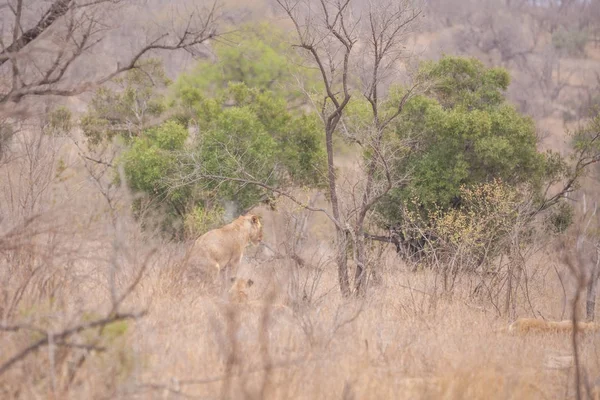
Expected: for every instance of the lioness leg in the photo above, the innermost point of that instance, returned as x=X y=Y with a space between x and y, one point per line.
x=222 y=274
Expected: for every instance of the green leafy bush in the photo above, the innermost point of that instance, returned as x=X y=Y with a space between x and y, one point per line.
x=60 y=121
x=464 y=134
x=261 y=59
x=246 y=131
x=126 y=108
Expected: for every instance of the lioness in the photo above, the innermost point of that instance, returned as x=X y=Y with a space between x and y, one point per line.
x=534 y=325
x=221 y=250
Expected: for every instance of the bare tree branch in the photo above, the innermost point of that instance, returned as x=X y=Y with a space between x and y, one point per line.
x=80 y=30
x=330 y=38
x=58 y=9
x=58 y=337
x=221 y=178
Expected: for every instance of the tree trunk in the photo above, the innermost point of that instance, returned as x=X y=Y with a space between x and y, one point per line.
x=509 y=286
x=360 y=276
x=361 y=270
x=342 y=263
x=342 y=239
x=592 y=290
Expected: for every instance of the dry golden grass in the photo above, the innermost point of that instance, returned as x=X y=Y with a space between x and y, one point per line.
x=296 y=337
x=334 y=349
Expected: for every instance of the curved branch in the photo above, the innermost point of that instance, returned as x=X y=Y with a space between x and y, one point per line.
x=56 y=10
x=65 y=334
x=269 y=188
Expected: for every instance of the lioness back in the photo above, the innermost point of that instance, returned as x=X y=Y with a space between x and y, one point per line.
x=533 y=325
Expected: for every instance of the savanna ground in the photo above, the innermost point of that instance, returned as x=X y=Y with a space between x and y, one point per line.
x=296 y=338
x=102 y=309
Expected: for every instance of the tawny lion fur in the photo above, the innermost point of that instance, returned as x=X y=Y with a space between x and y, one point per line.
x=534 y=325
x=237 y=292
x=222 y=249
x=238 y=295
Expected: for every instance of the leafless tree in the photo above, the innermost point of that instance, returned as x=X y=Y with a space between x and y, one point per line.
x=584 y=260
x=505 y=35
x=332 y=31
x=554 y=14
x=545 y=75
x=42 y=47
x=581 y=254
x=42 y=253
x=355 y=52
x=592 y=16
x=331 y=34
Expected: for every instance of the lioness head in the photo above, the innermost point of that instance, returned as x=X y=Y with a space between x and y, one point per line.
x=256 y=229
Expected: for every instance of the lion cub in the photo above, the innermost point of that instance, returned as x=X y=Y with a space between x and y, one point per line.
x=237 y=295
x=237 y=292
x=534 y=325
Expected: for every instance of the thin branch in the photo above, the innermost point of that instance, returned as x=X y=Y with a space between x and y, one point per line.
x=108 y=164
x=48 y=82
x=269 y=188
x=67 y=333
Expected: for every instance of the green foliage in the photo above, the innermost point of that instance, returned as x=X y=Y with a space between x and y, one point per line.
x=488 y=209
x=96 y=129
x=257 y=138
x=474 y=231
x=249 y=134
x=570 y=42
x=115 y=330
x=150 y=160
x=126 y=108
x=60 y=121
x=151 y=157
x=465 y=82
x=246 y=131
x=200 y=220
x=257 y=55
x=464 y=134
x=586 y=145
x=238 y=146
x=560 y=218
x=586 y=140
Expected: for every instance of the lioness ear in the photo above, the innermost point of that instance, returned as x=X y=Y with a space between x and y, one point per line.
x=255 y=219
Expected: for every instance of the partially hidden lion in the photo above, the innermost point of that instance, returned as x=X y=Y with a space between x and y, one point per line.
x=533 y=325
x=237 y=292
x=220 y=251
x=238 y=297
